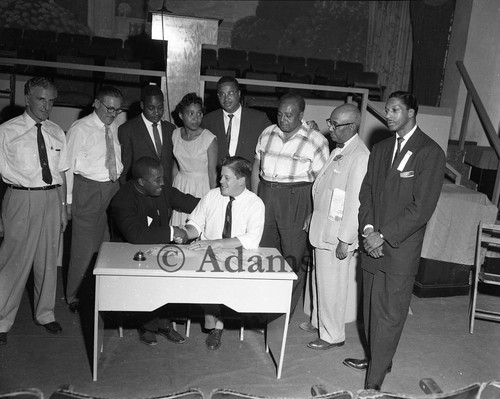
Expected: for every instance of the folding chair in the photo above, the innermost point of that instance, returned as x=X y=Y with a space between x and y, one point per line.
x=488 y=234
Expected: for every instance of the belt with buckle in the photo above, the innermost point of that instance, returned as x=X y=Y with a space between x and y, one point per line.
x=34 y=188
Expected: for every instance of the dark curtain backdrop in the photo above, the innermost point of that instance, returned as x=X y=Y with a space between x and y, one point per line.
x=431 y=23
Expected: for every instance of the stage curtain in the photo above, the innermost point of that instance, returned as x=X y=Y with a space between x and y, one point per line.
x=389 y=50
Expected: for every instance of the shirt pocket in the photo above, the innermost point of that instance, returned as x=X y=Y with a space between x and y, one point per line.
x=24 y=157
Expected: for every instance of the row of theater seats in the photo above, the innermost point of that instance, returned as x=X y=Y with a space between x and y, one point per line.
x=141 y=52
x=264 y=66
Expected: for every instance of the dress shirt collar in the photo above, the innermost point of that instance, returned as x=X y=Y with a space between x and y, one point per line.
x=236 y=113
x=29 y=121
x=148 y=123
x=100 y=124
x=407 y=136
x=347 y=143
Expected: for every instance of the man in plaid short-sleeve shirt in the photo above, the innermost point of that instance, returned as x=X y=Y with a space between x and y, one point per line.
x=288 y=157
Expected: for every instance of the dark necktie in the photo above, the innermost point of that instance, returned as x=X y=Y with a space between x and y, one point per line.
x=398 y=149
x=156 y=135
x=42 y=154
x=226 y=233
x=110 y=161
x=228 y=132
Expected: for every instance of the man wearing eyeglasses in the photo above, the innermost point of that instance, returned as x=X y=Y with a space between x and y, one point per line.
x=333 y=227
x=288 y=157
x=95 y=166
x=237 y=128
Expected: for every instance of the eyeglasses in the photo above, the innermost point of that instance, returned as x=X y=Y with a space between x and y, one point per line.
x=334 y=126
x=111 y=110
x=222 y=94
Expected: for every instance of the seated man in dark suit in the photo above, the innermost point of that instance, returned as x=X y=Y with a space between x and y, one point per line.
x=141 y=211
x=237 y=128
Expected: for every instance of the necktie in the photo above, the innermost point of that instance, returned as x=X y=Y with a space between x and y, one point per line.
x=339 y=145
x=42 y=154
x=226 y=233
x=228 y=132
x=110 y=161
x=398 y=149
x=156 y=135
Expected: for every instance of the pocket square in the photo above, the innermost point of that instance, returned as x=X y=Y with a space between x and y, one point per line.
x=405 y=175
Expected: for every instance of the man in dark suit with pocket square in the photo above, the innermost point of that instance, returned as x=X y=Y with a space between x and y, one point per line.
x=147 y=135
x=237 y=128
x=141 y=210
x=397 y=198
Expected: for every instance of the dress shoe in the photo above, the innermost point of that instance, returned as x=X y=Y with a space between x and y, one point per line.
x=374 y=387
x=356 y=364
x=213 y=340
x=147 y=337
x=3 y=338
x=307 y=326
x=360 y=364
x=172 y=335
x=74 y=307
x=322 y=345
x=53 y=327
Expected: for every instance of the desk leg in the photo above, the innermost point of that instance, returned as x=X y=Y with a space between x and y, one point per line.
x=98 y=332
x=277 y=330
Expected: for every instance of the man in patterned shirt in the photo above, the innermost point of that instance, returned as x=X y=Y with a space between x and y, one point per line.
x=288 y=157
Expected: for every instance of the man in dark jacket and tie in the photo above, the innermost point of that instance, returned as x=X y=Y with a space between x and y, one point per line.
x=141 y=210
x=397 y=198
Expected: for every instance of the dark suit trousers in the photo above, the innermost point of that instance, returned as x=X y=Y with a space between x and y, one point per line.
x=386 y=301
x=89 y=228
x=287 y=206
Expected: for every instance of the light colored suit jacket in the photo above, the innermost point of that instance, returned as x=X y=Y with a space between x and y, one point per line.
x=333 y=221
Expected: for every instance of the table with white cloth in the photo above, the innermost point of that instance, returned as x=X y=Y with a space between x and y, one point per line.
x=174 y=274
x=450 y=241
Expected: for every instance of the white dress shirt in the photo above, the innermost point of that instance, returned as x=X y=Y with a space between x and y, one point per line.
x=248 y=214
x=87 y=151
x=235 y=129
x=149 y=126
x=19 y=157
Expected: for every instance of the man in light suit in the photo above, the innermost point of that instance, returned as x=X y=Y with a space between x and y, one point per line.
x=236 y=134
x=333 y=228
x=397 y=198
x=138 y=137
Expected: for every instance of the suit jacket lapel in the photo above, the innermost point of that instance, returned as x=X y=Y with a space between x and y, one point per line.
x=220 y=128
x=143 y=132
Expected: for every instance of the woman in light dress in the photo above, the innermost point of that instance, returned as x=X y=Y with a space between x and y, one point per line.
x=195 y=152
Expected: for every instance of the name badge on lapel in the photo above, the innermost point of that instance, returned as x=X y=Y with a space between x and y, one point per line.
x=404 y=161
x=406 y=175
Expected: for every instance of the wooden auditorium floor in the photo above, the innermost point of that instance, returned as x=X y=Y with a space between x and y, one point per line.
x=435 y=343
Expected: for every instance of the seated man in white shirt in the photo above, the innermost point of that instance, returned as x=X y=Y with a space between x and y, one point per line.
x=229 y=216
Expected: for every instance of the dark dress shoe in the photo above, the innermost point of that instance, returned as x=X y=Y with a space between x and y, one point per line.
x=356 y=364
x=74 y=307
x=53 y=327
x=322 y=345
x=3 y=338
x=172 y=335
x=213 y=340
x=360 y=364
x=307 y=326
x=147 y=337
x=374 y=387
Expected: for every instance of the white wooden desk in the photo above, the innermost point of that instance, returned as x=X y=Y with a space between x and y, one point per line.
x=123 y=284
